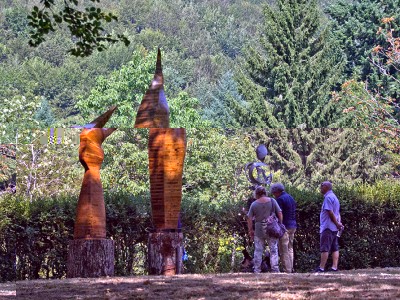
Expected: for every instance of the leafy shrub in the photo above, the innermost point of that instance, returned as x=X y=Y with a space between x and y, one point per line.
x=35 y=235
x=371 y=215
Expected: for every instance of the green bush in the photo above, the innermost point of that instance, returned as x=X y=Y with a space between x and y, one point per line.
x=11 y=214
x=34 y=236
x=128 y=222
x=371 y=215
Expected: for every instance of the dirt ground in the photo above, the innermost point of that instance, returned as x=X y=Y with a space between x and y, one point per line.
x=355 y=284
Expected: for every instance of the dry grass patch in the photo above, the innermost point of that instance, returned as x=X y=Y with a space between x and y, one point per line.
x=357 y=284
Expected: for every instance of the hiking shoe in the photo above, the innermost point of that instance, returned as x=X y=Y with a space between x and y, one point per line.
x=319 y=270
x=332 y=270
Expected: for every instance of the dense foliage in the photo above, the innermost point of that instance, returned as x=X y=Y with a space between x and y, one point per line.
x=306 y=157
x=287 y=78
x=7 y=167
x=356 y=24
x=214 y=233
x=256 y=65
x=240 y=63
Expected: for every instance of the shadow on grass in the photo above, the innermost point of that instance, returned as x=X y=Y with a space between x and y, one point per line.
x=219 y=286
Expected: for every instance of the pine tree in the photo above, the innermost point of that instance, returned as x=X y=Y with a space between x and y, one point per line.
x=288 y=78
x=44 y=114
x=355 y=26
x=225 y=104
x=305 y=157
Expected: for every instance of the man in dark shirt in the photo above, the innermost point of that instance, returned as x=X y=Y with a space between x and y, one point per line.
x=288 y=206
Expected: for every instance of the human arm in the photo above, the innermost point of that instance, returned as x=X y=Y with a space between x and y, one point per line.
x=334 y=220
x=280 y=216
x=250 y=227
x=278 y=210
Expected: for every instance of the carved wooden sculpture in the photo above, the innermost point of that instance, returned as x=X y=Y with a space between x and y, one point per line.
x=90 y=222
x=153 y=111
x=90 y=254
x=167 y=148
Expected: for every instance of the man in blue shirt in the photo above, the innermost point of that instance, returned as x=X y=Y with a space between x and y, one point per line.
x=288 y=206
x=330 y=223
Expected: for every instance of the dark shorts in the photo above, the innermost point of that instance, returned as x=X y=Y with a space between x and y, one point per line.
x=329 y=241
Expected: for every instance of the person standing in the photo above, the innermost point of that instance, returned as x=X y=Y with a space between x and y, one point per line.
x=260 y=209
x=330 y=223
x=288 y=206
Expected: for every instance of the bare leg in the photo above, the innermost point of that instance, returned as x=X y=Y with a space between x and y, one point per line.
x=335 y=259
x=324 y=258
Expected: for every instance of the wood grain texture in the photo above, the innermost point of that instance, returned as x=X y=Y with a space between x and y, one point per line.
x=90 y=258
x=165 y=253
x=153 y=111
x=167 y=148
x=90 y=221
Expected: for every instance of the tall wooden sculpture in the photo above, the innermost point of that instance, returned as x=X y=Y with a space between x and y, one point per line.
x=153 y=111
x=90 y=253
x=167 y=148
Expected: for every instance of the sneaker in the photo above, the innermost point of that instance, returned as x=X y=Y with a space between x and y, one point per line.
x=319 y=270
x=332 y=270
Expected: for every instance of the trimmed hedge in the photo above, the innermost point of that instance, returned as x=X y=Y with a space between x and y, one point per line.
x=371 y=215
x=34 y=242
x=34 y=236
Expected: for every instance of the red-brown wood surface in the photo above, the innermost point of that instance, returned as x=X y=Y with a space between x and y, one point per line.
x=165 y=250
x=90 y=221
x=167 y=148
x=153 y=111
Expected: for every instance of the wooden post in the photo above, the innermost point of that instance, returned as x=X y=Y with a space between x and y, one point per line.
x=90 y=258
x=165 y=253
x=167 y=148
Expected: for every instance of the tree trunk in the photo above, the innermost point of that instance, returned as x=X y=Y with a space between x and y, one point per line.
x=165 y=253
x=90 y=258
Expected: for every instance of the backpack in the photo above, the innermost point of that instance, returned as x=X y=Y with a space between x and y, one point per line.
x=272 y=227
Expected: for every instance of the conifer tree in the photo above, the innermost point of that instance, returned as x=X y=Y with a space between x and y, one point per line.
x=305 y=157
x=355 y=26
x=288 y=78
x=44 y=114
x=226 y=105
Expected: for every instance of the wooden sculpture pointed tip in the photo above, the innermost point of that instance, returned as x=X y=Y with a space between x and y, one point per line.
x=158 y=64
x=100 y=121
x=153 y=111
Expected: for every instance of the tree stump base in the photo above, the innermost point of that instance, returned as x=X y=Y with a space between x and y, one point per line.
x=165 y=252
x=90 y=258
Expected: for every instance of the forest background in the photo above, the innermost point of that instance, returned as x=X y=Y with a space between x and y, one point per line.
x=289 y=74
